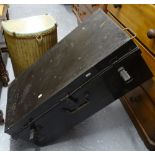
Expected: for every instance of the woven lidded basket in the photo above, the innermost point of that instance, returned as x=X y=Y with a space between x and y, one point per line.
x=28 y=39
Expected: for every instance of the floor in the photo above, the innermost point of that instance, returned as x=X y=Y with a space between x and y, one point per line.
x=108 y=129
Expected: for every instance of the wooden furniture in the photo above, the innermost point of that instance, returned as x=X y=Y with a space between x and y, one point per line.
x=140 y=102
x=3 y=73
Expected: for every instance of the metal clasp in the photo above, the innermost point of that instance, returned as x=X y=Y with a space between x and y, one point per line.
x=39 y=39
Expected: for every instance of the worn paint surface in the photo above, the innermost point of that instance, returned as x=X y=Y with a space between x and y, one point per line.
x=71 y=57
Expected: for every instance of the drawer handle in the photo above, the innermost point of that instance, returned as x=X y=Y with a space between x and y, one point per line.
x=151 y=33
x=117 y=5
x=135 y=98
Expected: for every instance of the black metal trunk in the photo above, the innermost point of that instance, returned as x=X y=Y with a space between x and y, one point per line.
x=90 y=68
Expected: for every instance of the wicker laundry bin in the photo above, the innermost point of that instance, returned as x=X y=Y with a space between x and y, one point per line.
x=28 y=39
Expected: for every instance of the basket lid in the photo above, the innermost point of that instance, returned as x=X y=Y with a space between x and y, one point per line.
x=29 y=26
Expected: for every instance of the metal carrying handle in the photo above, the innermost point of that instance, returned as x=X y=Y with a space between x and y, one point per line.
x=39 y=39
x=131 y=31
x=85 y=103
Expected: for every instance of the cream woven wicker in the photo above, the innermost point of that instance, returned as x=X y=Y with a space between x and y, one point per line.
x=28 y=39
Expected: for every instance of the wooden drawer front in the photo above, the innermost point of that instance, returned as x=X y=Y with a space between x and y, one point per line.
x=143 y=110
x=149 y=87
x=147 y=56
x=140 y=18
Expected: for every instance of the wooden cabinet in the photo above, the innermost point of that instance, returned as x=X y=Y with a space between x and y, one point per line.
x=140 y=18
x=146 y=54
x=140 y=102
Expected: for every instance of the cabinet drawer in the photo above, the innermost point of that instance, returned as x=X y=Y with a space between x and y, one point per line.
x=143 y=110
x=140 y=18
x=149 y=88
x=147 y=56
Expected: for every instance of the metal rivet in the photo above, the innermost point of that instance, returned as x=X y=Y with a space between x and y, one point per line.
x=83 y=28
x=40 y=95
x=88 y=74
x=79 y=58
